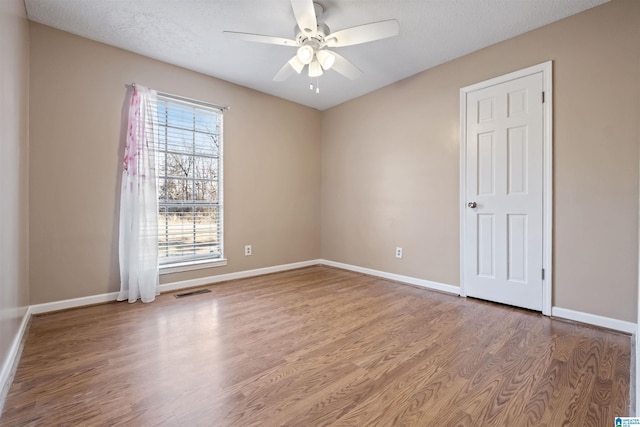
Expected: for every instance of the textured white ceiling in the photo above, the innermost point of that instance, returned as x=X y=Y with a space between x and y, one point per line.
x=188 y=33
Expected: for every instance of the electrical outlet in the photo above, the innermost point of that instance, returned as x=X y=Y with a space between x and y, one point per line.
x=398 y=252
x=247 y=250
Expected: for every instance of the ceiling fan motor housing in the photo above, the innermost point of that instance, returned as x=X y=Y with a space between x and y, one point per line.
x=319 y=38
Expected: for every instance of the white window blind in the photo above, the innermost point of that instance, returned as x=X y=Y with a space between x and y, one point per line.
x=189 y=172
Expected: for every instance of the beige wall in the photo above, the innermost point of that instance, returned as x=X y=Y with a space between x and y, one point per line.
x=14 y=148
x=272 y=169
x=390 y=162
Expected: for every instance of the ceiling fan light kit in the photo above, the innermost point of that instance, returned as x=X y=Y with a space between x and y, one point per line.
x=313 y=36
x=305 y=54
x=326 y=59
x=315 y=69
x=296 y=64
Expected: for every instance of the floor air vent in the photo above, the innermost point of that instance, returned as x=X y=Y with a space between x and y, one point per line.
x=188 y=294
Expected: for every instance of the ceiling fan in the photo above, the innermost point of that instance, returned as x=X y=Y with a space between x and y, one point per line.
x=313 y=37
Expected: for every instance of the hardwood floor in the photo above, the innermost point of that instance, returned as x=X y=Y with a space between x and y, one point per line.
x=316 y=346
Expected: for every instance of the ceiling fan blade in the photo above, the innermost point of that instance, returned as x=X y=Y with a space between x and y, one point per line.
x=346 y=68
x=260 y=38
x=363 y=33
x=285 y=72
x=305 y=14
x=289 y=68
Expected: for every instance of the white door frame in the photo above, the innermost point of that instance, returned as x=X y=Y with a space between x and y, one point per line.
x=546 y=69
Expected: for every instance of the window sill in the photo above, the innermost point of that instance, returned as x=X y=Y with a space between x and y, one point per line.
x=192 y=265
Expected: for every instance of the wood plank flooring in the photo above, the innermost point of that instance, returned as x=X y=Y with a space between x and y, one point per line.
x=316 y=347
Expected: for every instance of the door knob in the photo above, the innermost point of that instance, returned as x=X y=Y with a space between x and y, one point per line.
x=472 y=204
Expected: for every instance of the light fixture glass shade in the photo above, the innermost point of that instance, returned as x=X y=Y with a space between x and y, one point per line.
x=296 y=64
x=315 y=69
x=326 y=59
x=305 y=54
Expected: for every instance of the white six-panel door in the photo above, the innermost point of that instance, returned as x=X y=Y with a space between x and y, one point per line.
x=504 y=183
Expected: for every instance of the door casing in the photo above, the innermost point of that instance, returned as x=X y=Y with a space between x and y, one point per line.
x=546 y=69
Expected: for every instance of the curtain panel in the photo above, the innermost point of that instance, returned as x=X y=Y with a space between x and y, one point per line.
x=138 y=243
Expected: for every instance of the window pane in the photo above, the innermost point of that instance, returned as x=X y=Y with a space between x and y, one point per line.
x=206 y=168
x=162 y=189
x=207 y=144
x=179 y=141
x=179 y=166
x=207 y=190
x=188 y=169
x=179 y=190
x=188 y=231
x=205 y=122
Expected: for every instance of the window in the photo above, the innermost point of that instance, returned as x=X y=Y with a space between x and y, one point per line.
x=189 y=171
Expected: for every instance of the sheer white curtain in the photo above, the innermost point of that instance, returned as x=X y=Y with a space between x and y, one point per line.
x=139 y=202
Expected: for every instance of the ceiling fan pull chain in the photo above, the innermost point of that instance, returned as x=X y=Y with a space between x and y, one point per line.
x=317 y=84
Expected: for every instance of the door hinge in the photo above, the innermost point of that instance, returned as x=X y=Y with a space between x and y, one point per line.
x=543 y=274
x=543 y=97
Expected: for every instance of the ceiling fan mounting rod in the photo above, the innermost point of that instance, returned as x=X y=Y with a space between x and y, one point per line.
x=319 y=8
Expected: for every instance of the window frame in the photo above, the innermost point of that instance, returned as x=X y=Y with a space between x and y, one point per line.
x=185 y=263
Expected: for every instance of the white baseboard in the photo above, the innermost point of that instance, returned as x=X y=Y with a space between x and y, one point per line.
x=10 y=363
x=633 y=377
x=65 y=304
x=202 y=281
x=595 y=320
x=395 y=277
